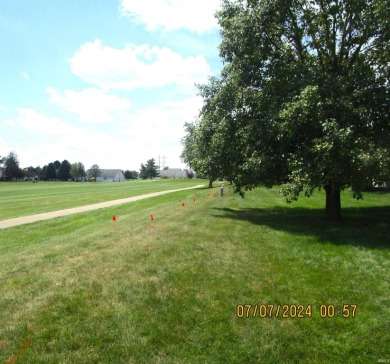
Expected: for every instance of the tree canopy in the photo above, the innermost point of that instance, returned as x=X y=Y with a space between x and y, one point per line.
x=303 y=99
x=57 y=170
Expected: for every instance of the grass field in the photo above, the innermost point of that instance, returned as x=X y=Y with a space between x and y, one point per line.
x=27 y=198
x=86 y=289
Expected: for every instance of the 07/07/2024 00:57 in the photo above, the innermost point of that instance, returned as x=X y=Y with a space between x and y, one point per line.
x=295 y=311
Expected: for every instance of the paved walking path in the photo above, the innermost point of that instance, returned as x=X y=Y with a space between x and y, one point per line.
x=75 y=210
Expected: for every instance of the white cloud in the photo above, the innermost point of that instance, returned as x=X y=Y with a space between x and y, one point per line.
x=25 y=75
x=36 y=122
x=45 y=139
x=92 y=105
x=139 y=135
x=162 y=123
x=137 y=67
x=195 y=15
x=4 y=148
x=158 y=129
x=35 y=137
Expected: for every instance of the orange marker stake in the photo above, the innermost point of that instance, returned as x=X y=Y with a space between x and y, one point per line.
x=151 y=217
x=114 y=218
x=183 y=205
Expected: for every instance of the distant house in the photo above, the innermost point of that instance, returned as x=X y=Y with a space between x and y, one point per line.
x=111 y=175
x=30 y=176
x=173 y=173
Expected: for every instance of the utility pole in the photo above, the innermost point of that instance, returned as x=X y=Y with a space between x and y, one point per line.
x=164 y=164
x=163 y=158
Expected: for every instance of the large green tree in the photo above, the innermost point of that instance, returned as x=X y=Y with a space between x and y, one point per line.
x=11 y=167
x=150 y=170
x=303 y=96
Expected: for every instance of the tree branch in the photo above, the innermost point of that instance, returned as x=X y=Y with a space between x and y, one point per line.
x=296 y=35
x=345 y=30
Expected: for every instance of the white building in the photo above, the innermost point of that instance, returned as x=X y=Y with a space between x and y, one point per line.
x=111 y=175
x=173 y=173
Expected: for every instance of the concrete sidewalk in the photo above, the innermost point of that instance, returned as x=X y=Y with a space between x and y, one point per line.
x=75 y=210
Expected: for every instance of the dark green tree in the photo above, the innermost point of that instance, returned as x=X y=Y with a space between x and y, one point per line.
x=11 y=167
x=131 y=174
x=304 y=96
x=142 y=172
x=57 y=164
x=190 y=174
x=43 y=174
x=51 y=173
x=30 y=169
x=128 y=174
x=63 y=172
x=150 y=170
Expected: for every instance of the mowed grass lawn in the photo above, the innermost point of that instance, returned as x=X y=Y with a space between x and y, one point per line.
x=27 y=198
x=86 y=289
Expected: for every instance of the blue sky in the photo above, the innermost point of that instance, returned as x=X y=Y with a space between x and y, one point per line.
x=109 y=82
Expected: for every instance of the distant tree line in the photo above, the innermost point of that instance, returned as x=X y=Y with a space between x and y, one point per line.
x=66 y=171
x=53 y=171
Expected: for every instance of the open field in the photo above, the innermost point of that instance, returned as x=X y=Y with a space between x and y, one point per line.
x=26 y=198
x=86 y=289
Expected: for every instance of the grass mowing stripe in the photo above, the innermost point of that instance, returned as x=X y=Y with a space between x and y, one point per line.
x=87 y=289
x=23 y=199
x=50 y=215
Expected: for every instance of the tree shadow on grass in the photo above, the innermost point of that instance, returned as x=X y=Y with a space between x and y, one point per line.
x=366 y=227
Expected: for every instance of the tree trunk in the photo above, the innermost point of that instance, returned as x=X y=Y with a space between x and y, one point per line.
x=211 y=183
x=333 y=202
